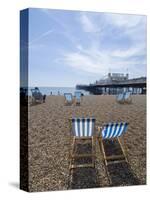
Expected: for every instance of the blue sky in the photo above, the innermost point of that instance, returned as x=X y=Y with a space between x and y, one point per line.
x=71 y=47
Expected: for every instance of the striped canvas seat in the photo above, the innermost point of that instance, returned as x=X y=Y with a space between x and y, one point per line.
x=78 y=95
x=83 y=127
x=127 y=95
x=120 y=97
x=68 y=97
x=112 y=130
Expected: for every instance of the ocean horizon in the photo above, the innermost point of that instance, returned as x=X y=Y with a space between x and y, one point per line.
x=57 y=90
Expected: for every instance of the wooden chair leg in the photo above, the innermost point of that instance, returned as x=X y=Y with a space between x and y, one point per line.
x=71 y=152
x=71 y=159
x=123 y=150
x=103 y=152
x=105 y=160
x=93 y=151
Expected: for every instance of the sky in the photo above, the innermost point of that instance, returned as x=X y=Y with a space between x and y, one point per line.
x=77 y=47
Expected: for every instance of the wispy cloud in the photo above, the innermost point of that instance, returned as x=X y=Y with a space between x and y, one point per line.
x=46 y=33
x=123 y=20
x=97 y=58
x=64 y=29
x=87 y=24
x=99 y=62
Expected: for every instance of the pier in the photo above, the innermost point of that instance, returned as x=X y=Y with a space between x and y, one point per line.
x=116 y=83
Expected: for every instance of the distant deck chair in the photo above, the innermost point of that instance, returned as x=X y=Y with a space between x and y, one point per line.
x=36 y=95
x=83 y=130
x=78 y=98
x=127 y=97
x=124 y=98
x=68 y=98
x=112 y=132
x=120 y=98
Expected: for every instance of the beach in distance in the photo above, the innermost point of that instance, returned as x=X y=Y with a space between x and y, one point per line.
x=57 y=90
x=49 y=142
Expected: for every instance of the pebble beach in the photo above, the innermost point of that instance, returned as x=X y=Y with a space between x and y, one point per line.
x=49 y=143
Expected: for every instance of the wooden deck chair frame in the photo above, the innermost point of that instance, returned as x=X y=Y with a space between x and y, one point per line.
x=67 y=102
x=111 y=159
x=74 y=140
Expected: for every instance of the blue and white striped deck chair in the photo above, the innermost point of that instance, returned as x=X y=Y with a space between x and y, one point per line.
x=127 y=97
x=113 y=131
x=36 y=95
x=77 y=97
x=68 y=98
x=120 y=98
x=83 y=129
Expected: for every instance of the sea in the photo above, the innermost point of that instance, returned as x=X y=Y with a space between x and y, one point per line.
x=57 y=90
